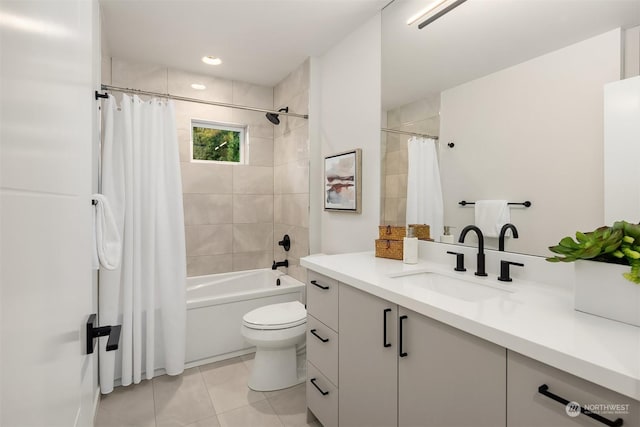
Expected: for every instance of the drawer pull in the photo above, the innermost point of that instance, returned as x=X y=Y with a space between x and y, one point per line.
x=400 y=350
x=384 y=327
x=544 y=389
x=313 y=282
x=313 y=332
x=313 y=381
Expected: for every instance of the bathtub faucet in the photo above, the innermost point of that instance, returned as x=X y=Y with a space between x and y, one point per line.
x=284 y=263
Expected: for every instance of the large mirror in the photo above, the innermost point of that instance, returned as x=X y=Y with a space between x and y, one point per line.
x=514 y=91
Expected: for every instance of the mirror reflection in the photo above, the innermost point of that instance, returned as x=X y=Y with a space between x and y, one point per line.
x=518 y=109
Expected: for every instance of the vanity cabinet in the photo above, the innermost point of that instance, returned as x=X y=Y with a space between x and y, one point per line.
x=447 y=377
x=398 y=367
x=368 y=359
x=322 y=348
x=527 y=407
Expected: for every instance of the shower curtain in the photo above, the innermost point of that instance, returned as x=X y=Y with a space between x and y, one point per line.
x=146 y=294
x=424 y=191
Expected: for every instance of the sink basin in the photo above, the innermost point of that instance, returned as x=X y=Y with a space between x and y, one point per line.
x=466 y=289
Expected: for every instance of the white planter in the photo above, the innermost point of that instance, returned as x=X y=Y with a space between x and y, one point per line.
x=600 y=289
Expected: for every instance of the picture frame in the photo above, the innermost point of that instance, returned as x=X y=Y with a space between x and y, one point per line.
x=343 y=182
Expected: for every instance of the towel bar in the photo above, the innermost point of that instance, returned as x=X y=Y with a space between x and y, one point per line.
x=526 y=204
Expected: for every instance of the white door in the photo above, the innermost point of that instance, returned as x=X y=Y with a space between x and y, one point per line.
x=47 y=114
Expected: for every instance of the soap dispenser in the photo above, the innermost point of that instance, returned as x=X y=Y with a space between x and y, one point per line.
x=410 y=248
x=447 y=237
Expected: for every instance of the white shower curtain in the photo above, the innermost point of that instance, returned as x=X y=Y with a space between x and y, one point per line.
x=424 y=191
x=146 y=294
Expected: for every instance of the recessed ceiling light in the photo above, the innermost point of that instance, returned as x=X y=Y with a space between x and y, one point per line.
x=211 y=60
x=198 y=86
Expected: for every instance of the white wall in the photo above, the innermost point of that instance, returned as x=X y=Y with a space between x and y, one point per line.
x=533 y=131
x=347 y=81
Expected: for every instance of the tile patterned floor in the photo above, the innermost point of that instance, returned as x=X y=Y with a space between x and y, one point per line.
x=214 y=395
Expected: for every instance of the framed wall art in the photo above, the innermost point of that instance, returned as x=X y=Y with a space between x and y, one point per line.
x=342 y=182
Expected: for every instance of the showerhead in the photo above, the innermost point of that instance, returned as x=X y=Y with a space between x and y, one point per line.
x=273 y=117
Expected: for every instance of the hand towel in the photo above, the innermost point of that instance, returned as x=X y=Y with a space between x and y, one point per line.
x=108 y=239
x=95 y=263
x=491 y=215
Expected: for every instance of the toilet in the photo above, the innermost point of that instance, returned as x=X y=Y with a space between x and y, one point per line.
x=278 y=332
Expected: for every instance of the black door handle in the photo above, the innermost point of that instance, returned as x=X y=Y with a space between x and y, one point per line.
x=313 y=381
x=384 y=327
x=544 y=390
x=401 y=352
x=313 y=332
x=313 y=282
x=94 y=331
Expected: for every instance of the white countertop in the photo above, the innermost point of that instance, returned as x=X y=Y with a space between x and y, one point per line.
x=533 y=319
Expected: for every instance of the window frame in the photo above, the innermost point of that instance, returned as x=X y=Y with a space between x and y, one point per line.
x=211 y=124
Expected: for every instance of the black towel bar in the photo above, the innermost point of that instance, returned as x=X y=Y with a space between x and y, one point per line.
x=526 y=204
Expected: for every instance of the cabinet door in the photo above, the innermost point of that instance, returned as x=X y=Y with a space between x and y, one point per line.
x=529 y=408
x=367 y=363
x=447 y=377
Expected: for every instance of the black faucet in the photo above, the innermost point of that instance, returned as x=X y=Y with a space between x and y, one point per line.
x=284 y=263
x=480 y=267
x=503 y=231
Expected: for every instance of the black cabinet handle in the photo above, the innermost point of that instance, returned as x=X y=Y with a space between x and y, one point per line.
x=400 y=350
x=313 y=381
x=384 y=327
x=313 y=331
x=313 y=282
x=544 y=389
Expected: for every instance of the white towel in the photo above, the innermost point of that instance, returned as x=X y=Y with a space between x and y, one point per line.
x=108 y=240
x=491 y=215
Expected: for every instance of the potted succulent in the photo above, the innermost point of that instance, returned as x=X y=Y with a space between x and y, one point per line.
x=610 y=287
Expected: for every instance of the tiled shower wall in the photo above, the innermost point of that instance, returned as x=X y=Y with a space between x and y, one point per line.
x=422 y=117
x=228 y=209
x=291 y=170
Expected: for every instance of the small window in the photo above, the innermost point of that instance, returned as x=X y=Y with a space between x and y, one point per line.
x=217 y=142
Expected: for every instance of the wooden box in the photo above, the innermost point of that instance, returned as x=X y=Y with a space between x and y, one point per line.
x=392 y=249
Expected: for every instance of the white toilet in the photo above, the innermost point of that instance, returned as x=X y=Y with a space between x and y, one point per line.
x=277 y=331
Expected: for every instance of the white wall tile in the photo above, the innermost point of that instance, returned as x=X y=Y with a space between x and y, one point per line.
x=252 y=179
x=200 y=209
x=251 y=209
x=209 y=239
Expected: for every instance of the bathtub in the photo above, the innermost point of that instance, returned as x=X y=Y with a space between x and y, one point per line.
x=217 y=302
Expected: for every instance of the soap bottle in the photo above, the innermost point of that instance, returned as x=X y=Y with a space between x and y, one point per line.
x=447 y=237
x=410 y=248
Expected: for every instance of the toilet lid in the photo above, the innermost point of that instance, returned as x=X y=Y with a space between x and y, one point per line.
x=276 y=316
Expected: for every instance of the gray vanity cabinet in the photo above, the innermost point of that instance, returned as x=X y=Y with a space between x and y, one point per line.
x=529 y=408
x=368 y=360
x=447 y=377
x=398 y=367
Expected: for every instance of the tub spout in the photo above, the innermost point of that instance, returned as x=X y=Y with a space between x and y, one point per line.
x=284 y=263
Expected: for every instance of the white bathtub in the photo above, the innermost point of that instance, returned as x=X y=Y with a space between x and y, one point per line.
x=217 y=302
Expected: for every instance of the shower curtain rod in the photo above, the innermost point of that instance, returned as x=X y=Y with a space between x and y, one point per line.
x=199 y=101
x=409 y=133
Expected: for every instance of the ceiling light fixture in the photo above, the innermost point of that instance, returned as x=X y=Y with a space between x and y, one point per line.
x=434 y=11
x=198 y=86
x=211 y=60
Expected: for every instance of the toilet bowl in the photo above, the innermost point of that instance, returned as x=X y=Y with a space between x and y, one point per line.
x=277 y=331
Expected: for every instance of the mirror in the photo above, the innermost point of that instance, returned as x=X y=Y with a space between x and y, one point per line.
x=517 y=88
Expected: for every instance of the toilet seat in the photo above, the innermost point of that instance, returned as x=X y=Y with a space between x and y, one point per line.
x=276 y=316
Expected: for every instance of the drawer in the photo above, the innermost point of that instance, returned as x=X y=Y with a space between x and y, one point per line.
x=322 y=348
x=526 y=407
x=322 y=299
x=322 y=397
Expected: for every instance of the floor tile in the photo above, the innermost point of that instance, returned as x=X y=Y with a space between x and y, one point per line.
x=208 y=422
x=256 y=414
x=291 y=406
x=181 y=400
x=227 y=385
x=127 y=406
